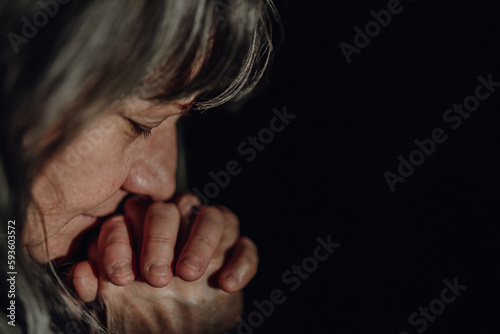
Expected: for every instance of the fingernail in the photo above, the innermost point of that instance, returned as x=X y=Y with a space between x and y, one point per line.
x=122 y=268
x=158 y=269
x=192 y=263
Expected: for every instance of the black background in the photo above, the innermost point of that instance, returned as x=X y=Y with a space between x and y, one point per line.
x=324 y=174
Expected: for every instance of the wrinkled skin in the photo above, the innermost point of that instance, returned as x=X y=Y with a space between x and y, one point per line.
x=111 y=162
x=206 y=305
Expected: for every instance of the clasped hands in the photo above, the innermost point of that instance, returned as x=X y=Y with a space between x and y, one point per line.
x=156 y=271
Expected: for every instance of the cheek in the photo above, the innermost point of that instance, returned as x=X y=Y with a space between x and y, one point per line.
x=93 y=167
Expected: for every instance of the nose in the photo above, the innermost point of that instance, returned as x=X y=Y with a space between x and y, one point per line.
x=153 y=163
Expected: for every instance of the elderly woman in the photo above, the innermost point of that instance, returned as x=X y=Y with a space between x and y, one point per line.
x=91 y=93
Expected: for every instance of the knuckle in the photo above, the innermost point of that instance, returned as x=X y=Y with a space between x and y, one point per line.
x=227 y=212
x=116 y=243
x=253 y=271
x=247 y=242
x=113 y=224
x=161 y=239
x=222 y=216
x=252 y=260
x=204 y=241
x=115 y=233
x=233 y=222
x=250 y=251
x=212 y=213
x=164 y=210
x=229 y=217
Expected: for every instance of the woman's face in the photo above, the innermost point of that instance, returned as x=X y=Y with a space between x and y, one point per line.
x=106 y=161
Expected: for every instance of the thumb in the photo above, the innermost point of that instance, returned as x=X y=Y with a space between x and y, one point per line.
x=85 y=280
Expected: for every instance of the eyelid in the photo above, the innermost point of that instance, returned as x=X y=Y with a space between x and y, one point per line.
x=145 y=131
x=140 y=130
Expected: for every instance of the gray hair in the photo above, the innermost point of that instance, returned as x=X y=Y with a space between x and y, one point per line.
x=70 y=62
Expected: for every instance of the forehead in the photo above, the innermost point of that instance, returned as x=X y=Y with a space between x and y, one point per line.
x=155 y=111
x=141 y=101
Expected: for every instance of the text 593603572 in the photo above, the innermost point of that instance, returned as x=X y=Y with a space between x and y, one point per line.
x=11 y=274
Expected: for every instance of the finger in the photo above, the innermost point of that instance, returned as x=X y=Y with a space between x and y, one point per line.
x=161 y=226
x=232 y=228
x=115 y=249
x=189 y=206
x=85 y=281
x=241 y=268
x=206 y=233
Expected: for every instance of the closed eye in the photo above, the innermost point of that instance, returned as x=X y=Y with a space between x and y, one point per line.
x=140 y=130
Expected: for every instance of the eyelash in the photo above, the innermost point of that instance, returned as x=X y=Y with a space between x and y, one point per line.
x=139 y=130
